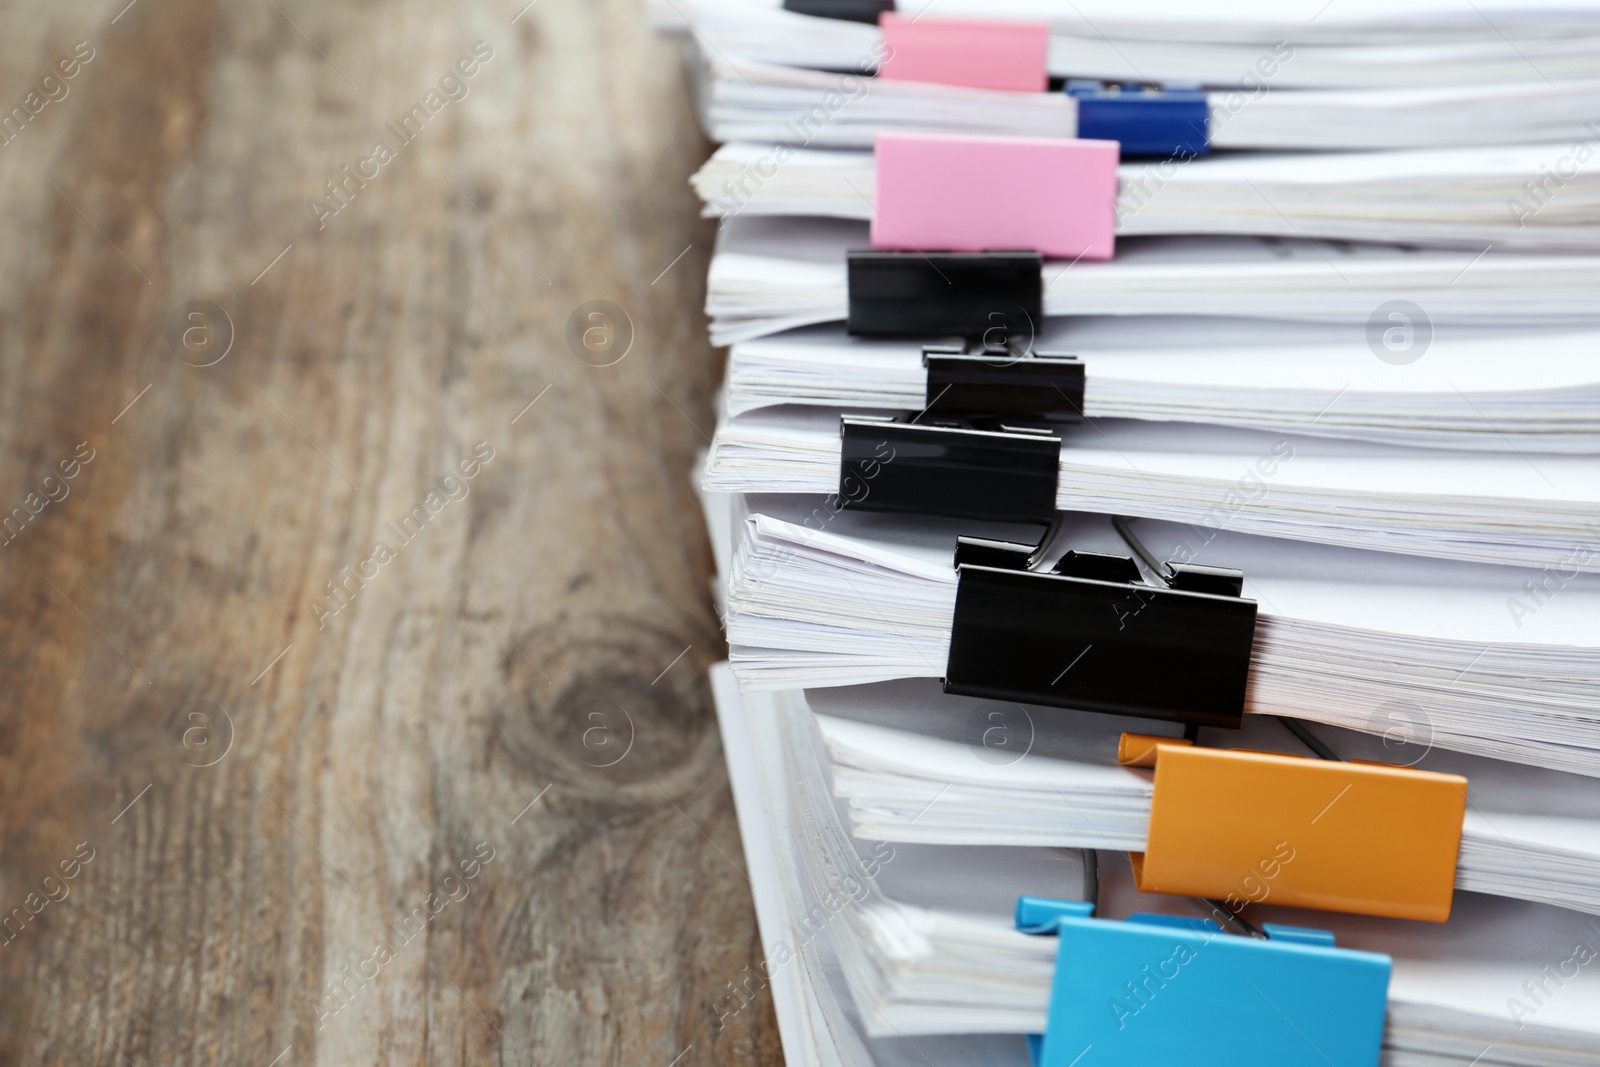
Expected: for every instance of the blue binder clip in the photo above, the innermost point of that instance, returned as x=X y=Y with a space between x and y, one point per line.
x=1145 y=120
x=1162 y=989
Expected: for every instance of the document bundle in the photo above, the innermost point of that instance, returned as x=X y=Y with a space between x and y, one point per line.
x=1236 y=44
x=752 y=101
x=1448 y=505
x=939 y=190
x=888 y=952
x=1156 y=506
x=1026 y=778
x=770 y=274
x=1318 y=379
x=1503 y=658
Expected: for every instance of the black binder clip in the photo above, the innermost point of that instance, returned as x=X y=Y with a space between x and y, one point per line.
x=992 y=297
x=1001 y=380
x=848 y=10
x=993 y=471
x=1090 y=634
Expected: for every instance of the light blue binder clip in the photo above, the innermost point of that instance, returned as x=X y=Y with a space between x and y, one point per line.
x=1165 y=991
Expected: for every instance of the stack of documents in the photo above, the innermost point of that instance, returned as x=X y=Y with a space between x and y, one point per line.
x=1504 y=659
x=1123 y=490
x=1441 y=196
x=773 y=274
x=748 y=100
x=897 y=953
x=1367 y=44
x=1300 y=378
x=1501 y=508
x=916 y=765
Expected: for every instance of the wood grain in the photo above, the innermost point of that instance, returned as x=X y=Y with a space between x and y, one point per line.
x=478 y=813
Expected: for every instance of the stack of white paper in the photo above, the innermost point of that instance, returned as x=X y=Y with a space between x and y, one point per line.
x=1505 y=661
x=1541 y=512
x=1257 y=46
x=817 y=1015
x=900 y=941
x=1306 y=378
x=747 y=100
x=772 y=274
x=1441 y=196
x=1350 y=354
x=916 y=765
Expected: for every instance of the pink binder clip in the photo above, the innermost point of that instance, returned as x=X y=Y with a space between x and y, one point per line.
x=976 y=53
x=954 y=193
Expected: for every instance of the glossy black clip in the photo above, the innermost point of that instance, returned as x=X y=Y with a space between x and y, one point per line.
x=994 y=297
x=849 y=10
x=1091 y=635
x=998 y=381
x=1003 y=474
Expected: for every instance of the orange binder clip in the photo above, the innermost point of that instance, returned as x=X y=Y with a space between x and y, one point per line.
x=1251 y=827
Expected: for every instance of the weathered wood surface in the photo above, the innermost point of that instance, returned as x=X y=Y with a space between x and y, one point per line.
x=219 y=795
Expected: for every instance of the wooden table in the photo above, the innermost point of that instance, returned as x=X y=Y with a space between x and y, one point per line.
x=356 y=607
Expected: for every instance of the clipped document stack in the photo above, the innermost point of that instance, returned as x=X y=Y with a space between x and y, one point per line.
x=888 y=952
x=1444 y=196
x=771 y=274
x=1156 y=504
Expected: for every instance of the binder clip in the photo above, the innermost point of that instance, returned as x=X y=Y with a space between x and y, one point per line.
x=932 y=294
x=1250 y=826
x=997 y=380
x=847 y=10
x=975 y=53
x=1145 y=120
x=1163 y=989
x=1001 y=473
x=971 y=193
x=1091 y=635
